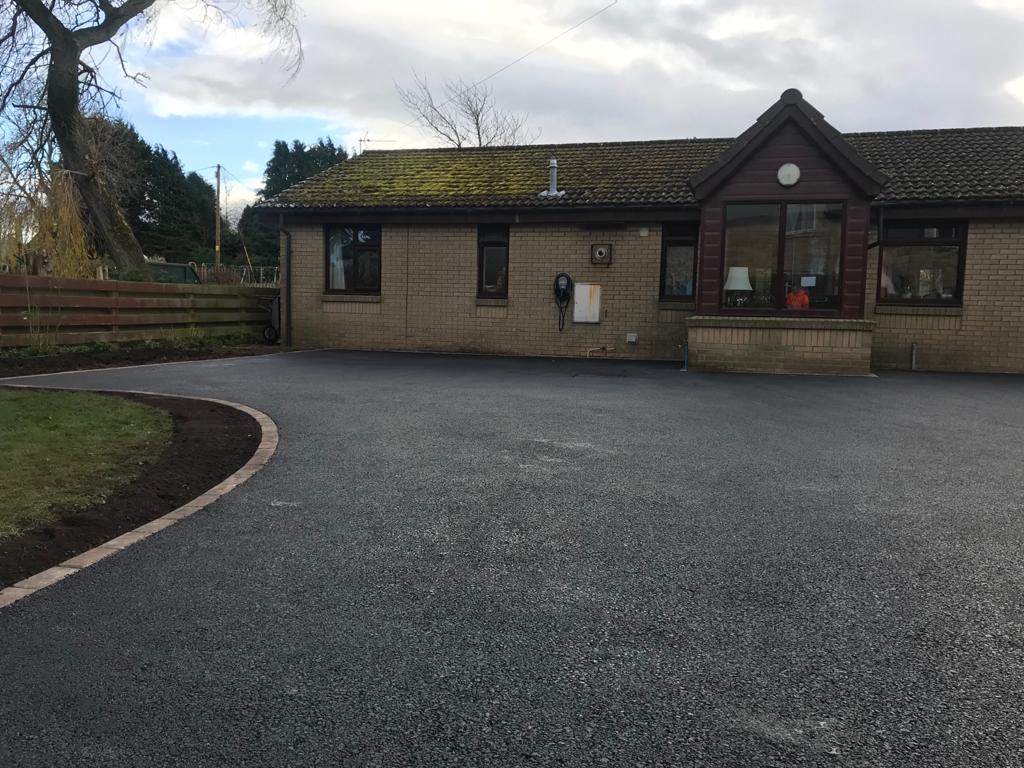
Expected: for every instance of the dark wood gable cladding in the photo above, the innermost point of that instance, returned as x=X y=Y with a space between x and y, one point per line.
x=748 y=174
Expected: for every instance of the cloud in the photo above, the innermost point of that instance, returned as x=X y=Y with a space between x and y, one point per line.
x=1010 y=7
x=643 y=69
x=250 y=166
x=238 y=193
x=1015 y=88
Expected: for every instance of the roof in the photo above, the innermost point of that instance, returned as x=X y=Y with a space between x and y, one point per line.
x=945 y=165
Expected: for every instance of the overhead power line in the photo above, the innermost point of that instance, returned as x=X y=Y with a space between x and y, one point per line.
x=526 y=55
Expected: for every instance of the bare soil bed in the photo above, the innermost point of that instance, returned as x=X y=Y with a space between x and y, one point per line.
x=209 y=442
x=125 y=354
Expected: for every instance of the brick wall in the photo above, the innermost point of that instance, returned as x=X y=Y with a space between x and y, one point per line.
x=780 y=345
x=428 y=301
x=985 y=334
x=428 y=294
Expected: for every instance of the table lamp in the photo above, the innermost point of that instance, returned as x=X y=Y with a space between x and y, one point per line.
x=738 y=279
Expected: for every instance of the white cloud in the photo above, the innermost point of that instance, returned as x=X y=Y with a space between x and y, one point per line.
x=643 y=69
x=250 y=166
x=238 y=193
x=1015 y=88
x=1011 y=7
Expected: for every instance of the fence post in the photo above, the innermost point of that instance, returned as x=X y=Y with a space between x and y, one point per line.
x=192 y=317
x=116 y=294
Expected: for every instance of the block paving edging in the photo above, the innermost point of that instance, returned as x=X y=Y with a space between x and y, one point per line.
x=266 y=449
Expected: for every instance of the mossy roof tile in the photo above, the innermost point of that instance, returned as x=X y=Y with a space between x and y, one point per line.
x=972 y=164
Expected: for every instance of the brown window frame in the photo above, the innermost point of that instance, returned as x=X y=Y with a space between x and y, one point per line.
x=669 y=238
x=960 y=240
x=357 y=250
x=482 y=243
x=780 y=290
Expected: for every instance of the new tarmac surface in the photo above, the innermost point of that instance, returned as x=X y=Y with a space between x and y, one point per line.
x=468 y=561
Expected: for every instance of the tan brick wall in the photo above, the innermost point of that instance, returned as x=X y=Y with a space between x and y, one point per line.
x=428 y=294
x=776 y=345
x=428 y=302
x=986 y=334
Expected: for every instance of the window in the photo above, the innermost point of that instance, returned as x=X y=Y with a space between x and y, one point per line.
x=922 y=262
x=353 y=259
x=492 y=268
x=794 y=268
x=678 y=261
x=751 y=256
x=811 y=258
x=800 y=219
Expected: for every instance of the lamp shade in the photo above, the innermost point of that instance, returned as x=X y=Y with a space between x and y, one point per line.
x=738 y=279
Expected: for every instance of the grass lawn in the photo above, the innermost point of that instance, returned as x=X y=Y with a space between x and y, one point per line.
x=61 y=451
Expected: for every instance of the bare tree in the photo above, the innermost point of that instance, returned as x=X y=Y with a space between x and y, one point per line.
x=49 y=54
x=464 y=115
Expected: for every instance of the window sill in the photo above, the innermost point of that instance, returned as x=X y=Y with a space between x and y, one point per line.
x=803 y=322
x=488 y=302
x=368 y=298
x=681 y=306
x=907 y=309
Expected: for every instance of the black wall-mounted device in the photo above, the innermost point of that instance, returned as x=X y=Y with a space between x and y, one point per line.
x=563 y=295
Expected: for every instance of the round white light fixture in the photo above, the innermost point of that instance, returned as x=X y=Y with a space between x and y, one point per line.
x=789 y=174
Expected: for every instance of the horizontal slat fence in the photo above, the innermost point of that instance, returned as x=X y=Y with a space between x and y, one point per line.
x=51 y=310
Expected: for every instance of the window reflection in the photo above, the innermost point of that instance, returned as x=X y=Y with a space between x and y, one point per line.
x=751 y=256
x=805 y=278
x=814 y=235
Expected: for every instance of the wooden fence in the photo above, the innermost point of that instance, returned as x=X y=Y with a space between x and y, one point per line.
x=48 y=310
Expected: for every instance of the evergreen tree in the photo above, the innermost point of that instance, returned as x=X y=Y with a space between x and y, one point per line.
x=170 y=212
x=288 y=165
x=176 y=220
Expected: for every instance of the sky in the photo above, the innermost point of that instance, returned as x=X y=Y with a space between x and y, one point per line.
x=218 y=91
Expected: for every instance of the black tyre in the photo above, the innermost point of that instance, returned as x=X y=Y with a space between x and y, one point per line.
x=270 y=334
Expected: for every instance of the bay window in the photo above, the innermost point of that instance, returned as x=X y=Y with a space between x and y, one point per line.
x=921 y=262
x=783 y=256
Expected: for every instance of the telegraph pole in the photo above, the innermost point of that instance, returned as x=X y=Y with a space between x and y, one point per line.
x=216 y=246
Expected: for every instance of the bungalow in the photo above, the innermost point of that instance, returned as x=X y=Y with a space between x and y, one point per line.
x=791 y=248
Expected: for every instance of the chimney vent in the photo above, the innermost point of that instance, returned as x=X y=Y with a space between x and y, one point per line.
x=552 y=190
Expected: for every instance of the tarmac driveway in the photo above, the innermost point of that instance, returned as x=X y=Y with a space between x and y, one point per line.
x=494 y=562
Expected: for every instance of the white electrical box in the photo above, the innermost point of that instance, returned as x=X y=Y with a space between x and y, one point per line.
x=586 y=303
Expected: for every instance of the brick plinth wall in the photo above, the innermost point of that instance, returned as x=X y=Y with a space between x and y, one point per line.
x=780 y=345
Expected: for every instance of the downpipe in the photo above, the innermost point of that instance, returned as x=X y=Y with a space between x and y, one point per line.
x=287 y=282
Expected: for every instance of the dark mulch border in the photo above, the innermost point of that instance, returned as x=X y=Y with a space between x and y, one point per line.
x=209 y=442
x=32 y=365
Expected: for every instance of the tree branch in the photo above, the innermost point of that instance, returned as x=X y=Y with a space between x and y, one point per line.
x=468 y=115
x=13 y=86
x=43 y=18
x=114 y=17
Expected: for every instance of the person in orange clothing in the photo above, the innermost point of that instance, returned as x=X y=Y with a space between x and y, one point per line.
x=798 y=298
